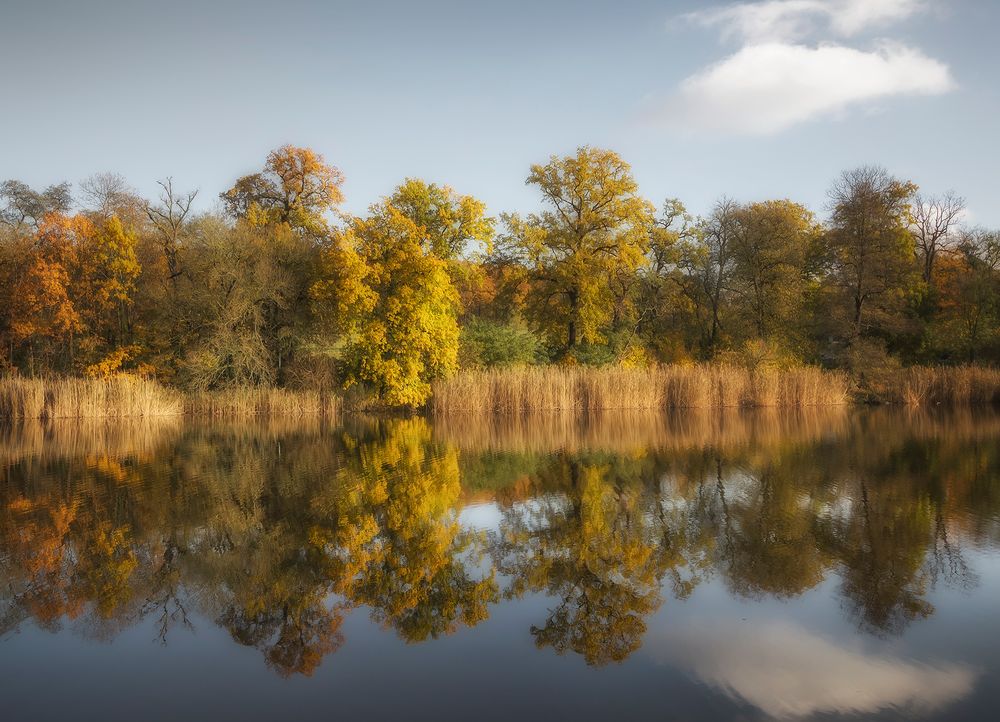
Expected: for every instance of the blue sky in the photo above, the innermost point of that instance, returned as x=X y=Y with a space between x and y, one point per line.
x=753 y=100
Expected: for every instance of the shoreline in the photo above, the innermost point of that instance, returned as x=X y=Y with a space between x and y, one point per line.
x=559 y=390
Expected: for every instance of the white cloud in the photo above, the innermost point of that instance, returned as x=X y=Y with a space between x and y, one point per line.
x=786 y=671
x=768 y=87
x=794 y=65
x=796 y=19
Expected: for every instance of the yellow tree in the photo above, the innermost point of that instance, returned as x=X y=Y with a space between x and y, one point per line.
x=296 y=187
x=394 y=303
x=115 y=269
x=595 y=230
x=451 y=222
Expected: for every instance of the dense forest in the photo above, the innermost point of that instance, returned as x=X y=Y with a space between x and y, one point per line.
x=280 y=287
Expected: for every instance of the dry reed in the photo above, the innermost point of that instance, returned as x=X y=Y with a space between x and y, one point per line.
x=949 y=385
x=560 y=388
x=260 y=402
x=132 y=396
x=64 y=398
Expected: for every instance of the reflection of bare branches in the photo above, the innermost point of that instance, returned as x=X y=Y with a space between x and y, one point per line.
x=945 y=560
x=166 y=596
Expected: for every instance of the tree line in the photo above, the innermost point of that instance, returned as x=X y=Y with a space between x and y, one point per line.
x=279 y=286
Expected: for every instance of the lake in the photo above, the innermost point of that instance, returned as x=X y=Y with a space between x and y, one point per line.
x=733 y=566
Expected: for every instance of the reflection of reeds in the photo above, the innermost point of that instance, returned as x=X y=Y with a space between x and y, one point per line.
x=72 y=438
x=627 y=432
x=140 y=437
x=561 y=388
x=132 y=396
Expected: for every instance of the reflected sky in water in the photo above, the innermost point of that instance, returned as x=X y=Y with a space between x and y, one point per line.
x=835 y=564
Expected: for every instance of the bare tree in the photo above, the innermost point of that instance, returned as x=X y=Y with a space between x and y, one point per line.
x=22 y=207
x=932 y=223
x=108 y=194
x=168 y=218
x=712 y=265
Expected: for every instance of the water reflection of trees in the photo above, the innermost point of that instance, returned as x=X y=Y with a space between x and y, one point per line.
x=277 y=534
x=275 y=538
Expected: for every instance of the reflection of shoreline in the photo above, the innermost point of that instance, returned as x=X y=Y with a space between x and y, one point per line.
x=628 y=432
x=624 y=432
x=105 y=522
x=787 y=671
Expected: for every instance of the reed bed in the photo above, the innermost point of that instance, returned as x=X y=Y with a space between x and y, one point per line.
x=560 y=389
x=260 y=402
x=137 y=397
x=75 y=398
x=947 y=385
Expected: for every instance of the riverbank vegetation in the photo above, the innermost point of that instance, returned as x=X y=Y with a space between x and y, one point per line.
x=595 y=300
x=129 y=396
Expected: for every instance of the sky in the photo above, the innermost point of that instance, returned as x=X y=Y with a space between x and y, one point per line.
x=751 y=100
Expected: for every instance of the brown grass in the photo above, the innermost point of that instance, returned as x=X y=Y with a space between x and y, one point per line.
x=136 y=397
x=260 y=402
x=64 y=398
x=948 y=385
x=561 y=388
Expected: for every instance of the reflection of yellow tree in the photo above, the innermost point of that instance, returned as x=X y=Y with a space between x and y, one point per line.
x=104 y=567
x=416 y=572
x=598 y=549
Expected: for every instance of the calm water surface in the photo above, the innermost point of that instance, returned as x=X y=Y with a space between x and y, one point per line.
x=743 y=566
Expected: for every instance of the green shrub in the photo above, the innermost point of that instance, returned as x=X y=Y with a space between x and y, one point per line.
x=488 y=344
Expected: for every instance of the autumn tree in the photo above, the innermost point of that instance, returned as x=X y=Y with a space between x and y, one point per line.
x=394 y=304
x=708 y=263
x=871 y=248
x=169 y=219
x=667 y=318
x=595 y=227
x=109 y=194
x=770 y=245
x=450 y=222
x=236 y=280
x=932 y=222
x=968 y=318
x=296 y=187
x=43 y=313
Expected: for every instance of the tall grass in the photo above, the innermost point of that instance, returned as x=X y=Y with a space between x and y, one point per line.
x=64 y=398
x=260 y=402
x=951 y=385
x=132 y=396
x=560 y=388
